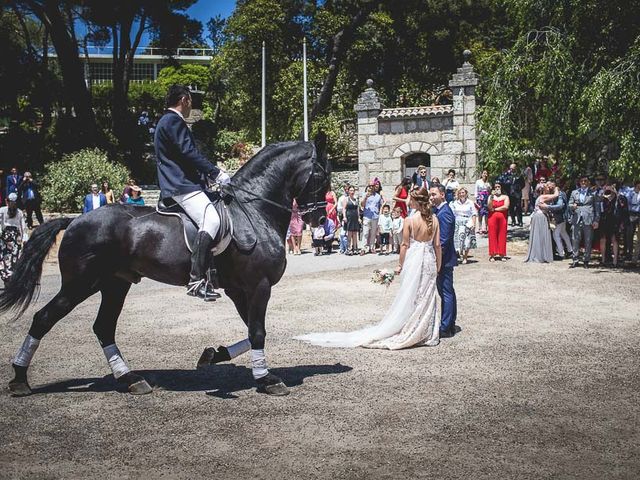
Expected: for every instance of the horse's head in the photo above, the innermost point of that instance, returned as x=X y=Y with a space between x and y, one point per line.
x=312 y=181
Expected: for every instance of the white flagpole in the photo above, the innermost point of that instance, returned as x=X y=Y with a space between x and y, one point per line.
x=304 y=89
x=264 y=108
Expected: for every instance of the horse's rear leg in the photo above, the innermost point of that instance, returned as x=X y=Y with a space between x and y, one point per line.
x=43 y=321
x=114 y=291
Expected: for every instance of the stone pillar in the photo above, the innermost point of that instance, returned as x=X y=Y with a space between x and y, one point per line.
x=463 y=85
x=368 y=108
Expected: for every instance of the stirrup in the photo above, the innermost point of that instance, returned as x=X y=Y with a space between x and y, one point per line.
x=202 y=289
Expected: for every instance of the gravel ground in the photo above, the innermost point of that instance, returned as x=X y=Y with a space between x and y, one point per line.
x=542 y=382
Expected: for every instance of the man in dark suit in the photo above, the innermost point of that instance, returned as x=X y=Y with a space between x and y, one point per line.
x=13 y=181
x=29 y=195
x=584 y=218
x=94 y=200
x=180 y=170
x=447 y=221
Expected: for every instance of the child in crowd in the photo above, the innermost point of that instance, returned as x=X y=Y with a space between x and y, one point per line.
x=397 y=224
x=385 y=227
x=317 y=237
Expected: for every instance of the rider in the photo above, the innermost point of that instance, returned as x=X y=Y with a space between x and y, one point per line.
x=180 y=168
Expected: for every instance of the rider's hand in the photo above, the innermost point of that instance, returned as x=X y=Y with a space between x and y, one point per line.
x=223 y=178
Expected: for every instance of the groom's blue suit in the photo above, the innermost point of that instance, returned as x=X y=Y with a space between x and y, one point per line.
x=447 y=221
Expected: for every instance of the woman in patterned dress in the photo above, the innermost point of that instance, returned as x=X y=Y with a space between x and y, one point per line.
x=13 y=233
x=464 y=237
x=483 y=187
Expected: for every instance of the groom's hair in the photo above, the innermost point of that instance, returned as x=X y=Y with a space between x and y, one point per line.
x=440 y=187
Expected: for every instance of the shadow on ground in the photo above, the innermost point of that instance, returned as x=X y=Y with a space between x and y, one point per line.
x=218 y=381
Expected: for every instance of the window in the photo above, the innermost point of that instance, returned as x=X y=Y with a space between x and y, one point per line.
x=142 y=72
x=101 y=72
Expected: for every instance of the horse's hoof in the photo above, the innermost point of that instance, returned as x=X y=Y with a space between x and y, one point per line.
x=272 y=385
x=211 y=356
x=136 y=384
x=140 y=388
x=277 y=390
x=19 y=389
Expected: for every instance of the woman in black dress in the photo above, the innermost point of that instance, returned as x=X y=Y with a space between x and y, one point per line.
x=609 y=224
x=351 y=209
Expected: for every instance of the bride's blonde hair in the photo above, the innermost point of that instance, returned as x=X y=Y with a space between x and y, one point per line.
x=421 y=197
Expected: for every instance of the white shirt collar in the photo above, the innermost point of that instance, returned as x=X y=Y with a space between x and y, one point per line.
x=176 y=111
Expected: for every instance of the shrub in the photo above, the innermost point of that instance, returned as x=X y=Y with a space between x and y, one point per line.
x=67 y=181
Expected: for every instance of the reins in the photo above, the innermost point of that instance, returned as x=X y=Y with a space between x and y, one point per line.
x=230 y=189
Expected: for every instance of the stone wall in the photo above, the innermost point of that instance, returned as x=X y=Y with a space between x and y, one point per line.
x=341 y=178
x=386 y=137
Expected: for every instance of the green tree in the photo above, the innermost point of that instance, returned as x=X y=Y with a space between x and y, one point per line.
x=565 y=88
x=126 y=21
x=58 y=19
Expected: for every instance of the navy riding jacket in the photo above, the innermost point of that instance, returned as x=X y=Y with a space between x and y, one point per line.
x=180 y=164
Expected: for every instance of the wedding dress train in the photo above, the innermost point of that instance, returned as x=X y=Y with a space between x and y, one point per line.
x=411 y=320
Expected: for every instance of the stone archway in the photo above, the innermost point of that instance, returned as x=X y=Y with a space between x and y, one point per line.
x=411 y=162
x=415 y=147
x=414 y=154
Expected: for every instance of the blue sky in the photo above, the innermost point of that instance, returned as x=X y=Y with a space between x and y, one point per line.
x=203 y=10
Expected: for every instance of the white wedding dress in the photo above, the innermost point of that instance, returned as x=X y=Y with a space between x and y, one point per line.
x=412 y=319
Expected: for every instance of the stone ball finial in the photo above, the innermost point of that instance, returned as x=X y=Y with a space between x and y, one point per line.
x=369 y=83
x=466 y=55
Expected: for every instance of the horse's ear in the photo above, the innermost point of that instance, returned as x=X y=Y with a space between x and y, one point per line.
x=321 y=144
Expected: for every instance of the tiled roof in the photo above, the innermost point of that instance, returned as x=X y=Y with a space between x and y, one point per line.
x=409 y=112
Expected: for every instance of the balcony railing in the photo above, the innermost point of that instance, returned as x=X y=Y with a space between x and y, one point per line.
x=150 y=51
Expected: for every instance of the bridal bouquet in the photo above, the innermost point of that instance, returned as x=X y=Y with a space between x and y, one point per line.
x=383 y=277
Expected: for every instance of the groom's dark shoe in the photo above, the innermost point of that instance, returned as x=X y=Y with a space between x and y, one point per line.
x=448 y=333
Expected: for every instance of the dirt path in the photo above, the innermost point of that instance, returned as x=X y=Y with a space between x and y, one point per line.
x=542 y=382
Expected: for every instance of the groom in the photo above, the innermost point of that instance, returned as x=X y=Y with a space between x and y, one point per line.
x=447 y=221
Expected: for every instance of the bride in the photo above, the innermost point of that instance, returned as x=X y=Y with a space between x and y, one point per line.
x=411 y=319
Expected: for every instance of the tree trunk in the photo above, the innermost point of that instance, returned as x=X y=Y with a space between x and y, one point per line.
x=46 y=103
x=74 y=88
x=339 y=45
x=124 y=53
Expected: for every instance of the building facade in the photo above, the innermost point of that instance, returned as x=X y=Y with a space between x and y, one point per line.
x=392 y=142
x=147 y=62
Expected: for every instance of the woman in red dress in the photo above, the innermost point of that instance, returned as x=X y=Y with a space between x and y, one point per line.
x=401 y=195
x=498 y=207
x=332 y=206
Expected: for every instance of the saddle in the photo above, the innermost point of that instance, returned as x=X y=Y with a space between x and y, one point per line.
x=170 y=207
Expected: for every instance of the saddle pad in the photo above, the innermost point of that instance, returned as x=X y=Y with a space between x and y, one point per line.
x=190 y=228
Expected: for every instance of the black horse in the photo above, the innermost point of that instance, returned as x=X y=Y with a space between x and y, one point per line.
x=114 y=246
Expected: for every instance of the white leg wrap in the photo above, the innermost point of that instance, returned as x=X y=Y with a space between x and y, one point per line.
x=116 y=362
x=258 y=364
x=25 y=354
x=243 y=346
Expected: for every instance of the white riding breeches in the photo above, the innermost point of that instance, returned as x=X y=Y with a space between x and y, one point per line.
x=200 y=210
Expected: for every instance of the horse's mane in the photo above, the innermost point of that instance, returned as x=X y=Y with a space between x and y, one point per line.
x=276 y=156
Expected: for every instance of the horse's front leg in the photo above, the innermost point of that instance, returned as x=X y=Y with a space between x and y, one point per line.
x=267 y=381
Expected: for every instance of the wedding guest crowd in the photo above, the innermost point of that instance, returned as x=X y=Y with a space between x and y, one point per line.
x=564 y=223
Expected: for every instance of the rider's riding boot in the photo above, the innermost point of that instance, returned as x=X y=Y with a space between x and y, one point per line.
x=199 y=285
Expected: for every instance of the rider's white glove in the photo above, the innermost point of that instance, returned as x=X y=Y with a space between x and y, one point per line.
x=223 y=178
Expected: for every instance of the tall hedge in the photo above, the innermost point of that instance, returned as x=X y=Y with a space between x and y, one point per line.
x=67 y=181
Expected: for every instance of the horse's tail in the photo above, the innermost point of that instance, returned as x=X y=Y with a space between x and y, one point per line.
x=24 y=284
